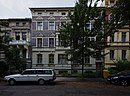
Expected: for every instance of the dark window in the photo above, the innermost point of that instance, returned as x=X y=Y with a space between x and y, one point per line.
x=112 y=38
x=17 y=24
x=51 y=58
x=44 y=72
x=28 y=72
x=39 y=42
x=123 y=54
x=17 y=35
x=111 y=54
x=51 y=42
x=63 y=13
x=24 y=34
x=39 y=58
x=123 y=36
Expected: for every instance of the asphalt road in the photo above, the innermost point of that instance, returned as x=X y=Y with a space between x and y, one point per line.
x=90 y=87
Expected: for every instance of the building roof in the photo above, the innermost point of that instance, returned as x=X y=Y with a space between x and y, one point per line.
x=51 y=8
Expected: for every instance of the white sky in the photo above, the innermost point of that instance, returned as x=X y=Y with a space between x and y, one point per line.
x=20 y=8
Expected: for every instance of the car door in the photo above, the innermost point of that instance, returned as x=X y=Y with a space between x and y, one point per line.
x=25 y=76
x=33 y=76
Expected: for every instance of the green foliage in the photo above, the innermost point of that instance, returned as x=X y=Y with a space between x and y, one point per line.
x=76 y=34
x=121 y=65
x=3 y=68
x=14 y=60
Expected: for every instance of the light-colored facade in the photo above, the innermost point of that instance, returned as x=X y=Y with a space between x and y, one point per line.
x=21 y=36
x=47 y=51
x=118 y=44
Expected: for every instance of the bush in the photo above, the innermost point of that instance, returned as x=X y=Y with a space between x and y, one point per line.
x=121 y=65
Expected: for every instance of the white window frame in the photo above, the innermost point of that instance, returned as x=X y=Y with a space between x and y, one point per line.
x=41 y=27
x=51 y=27
x=49 y=42
x=37 y=41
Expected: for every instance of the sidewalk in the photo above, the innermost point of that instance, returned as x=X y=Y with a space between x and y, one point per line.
x=68 y=79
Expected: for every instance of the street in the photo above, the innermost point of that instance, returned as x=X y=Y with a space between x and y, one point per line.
x=65 y=88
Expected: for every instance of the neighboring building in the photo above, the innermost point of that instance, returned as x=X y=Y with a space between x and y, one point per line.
x=19 y=30
x=21 y=34
x=119 y=43
x=47 y=50
x=4 y=31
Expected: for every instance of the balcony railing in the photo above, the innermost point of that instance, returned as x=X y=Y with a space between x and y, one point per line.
x=19 y=42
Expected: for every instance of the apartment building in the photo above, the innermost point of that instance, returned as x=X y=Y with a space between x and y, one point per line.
x=47 y=50
x=119 y=43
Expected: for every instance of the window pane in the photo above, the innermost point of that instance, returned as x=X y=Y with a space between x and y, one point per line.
x=39 y=42
x=111 y=54
x=51 y=58
x=39 y=26
x=51 y=42
x=39 y=58
x=123 y=54
x=24 y=35
x=62 y=59
x=123 y=36
x=17 y=35
x=51 y=26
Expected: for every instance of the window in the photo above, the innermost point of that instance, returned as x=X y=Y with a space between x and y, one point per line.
x=51 y=58
x=24 y=34
x=63 y=13
x=24 y=23
x=17 y=35
x=39 y=58
x=123 y=54
x=39 y=42
x=86 y=59
x=28 y=72
x=51 y=26
x=111 y=54
x=62 y=59
x=17 y=24
x=123 y=36
x=112 y=38
x=39 y=26
x=43 y=71
x=51 y=13
x=51 y=42
x=89 y=25
x=39 y=14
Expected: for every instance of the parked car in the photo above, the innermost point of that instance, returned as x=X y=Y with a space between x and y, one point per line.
x=39 y=75
x=122 y=78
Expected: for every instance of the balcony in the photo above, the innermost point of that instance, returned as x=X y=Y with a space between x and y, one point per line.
x=19 y=42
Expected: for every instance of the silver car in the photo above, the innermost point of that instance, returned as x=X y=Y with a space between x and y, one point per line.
x=39 y=75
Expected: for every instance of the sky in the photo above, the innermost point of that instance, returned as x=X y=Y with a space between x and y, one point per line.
x=20 y=8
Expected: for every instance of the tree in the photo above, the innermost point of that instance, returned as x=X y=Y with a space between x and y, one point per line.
x=76 y=34
x=14 y=60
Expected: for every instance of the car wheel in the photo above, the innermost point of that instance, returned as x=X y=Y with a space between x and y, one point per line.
x=124 y=83
x=11 y=82
x=41 y=82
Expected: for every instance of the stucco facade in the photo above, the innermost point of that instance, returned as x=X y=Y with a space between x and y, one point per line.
x=119 y=44
x=47 y=51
